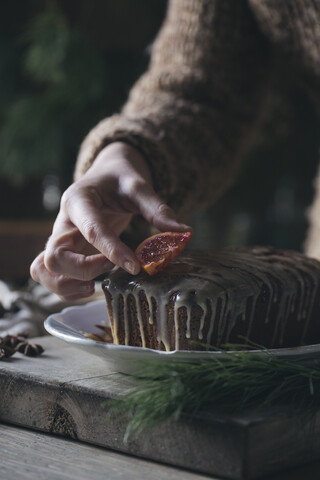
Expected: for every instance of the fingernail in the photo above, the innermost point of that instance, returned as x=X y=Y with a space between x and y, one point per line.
x=130 y=267
x=184 y=228
x=181 y=226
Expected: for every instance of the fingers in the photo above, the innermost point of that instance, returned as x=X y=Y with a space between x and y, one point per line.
x=60 y=260
x=75 y=265
x=92 y=224
x=62 y=254
x=68 y=289
x=89 y=218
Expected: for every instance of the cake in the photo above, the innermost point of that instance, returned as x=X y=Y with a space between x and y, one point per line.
x=209 y=298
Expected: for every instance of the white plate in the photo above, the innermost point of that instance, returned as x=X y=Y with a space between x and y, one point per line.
x=68 y=325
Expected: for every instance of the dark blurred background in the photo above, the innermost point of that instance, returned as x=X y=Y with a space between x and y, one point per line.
x=66 y=65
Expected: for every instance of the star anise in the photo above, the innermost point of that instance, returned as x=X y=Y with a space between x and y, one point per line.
x=11 y=344
x=7 y=346
x=12 y=340
x=6 y=352
x=29 y=349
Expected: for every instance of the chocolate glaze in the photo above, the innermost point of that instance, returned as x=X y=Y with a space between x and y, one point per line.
x=267 y=295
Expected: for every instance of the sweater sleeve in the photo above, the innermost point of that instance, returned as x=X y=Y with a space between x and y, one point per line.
x=193 y=112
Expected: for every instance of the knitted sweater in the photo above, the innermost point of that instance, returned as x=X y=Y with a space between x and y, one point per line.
x=192 y=114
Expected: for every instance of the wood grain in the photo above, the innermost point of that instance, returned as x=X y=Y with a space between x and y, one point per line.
x=64 y=392
x=29 y=455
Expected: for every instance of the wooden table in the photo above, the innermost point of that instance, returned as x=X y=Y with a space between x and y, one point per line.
x=62 y=392
x=29 y=455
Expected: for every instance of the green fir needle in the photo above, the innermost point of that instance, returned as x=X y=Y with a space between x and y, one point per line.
x=230 y=382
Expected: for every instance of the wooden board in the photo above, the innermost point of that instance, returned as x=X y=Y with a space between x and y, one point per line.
x=63 y=392
x=29 y=455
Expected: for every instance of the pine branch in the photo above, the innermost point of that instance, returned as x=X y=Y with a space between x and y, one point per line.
x=229 y=383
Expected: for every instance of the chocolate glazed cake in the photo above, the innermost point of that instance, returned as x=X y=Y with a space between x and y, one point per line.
x=214 y=297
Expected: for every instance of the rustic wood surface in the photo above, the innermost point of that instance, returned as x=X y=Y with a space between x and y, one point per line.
x=62 y=392
x=29 y=455
x=33 y=455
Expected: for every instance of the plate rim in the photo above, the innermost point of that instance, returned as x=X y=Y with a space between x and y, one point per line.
x=79 y=339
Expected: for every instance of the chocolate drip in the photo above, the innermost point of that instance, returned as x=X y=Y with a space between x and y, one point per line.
x=264 y=293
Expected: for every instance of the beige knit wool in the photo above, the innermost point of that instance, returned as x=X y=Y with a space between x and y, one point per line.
x=192 y=114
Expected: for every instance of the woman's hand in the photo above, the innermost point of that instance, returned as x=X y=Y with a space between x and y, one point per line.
x=94 y=211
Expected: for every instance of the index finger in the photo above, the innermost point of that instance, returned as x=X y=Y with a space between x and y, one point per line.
x=92 y=224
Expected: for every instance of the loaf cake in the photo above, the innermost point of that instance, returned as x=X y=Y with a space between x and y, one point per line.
x=206 y=298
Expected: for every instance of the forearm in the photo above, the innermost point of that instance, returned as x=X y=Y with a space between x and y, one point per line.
x=192 y=113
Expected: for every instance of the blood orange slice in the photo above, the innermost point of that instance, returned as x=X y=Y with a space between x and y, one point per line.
x=156 y=252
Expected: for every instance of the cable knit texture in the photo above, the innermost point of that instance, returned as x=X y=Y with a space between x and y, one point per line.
x=193 y=112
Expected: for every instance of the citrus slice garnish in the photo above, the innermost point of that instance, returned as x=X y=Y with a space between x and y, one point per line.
x=156 y=252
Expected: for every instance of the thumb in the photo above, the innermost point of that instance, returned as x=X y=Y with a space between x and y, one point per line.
x=158 y=213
